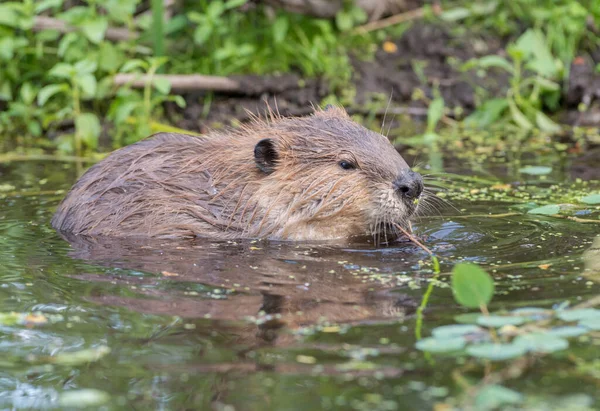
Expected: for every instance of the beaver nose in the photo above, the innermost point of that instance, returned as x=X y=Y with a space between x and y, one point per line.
x=409 y=185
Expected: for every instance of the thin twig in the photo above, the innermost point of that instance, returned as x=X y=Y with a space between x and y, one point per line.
x=413 y=239
x=391 y=21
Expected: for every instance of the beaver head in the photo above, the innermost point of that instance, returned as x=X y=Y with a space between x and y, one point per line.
x=325 y=176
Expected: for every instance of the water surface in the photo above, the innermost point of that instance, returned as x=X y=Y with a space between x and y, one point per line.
x=256 y=325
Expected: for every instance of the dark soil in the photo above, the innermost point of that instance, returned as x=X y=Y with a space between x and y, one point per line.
x=427 y=57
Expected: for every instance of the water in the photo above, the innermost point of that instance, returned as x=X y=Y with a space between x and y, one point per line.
x=255 y=325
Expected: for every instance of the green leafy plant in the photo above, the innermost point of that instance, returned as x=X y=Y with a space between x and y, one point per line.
x=502 y=335
x=131 y=112
x=79 y=83
x=527 y=95
x=494 y=336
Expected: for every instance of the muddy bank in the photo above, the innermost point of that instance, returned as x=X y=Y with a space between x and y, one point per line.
x=426 y=57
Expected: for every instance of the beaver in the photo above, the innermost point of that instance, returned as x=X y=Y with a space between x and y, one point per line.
x=320 y=177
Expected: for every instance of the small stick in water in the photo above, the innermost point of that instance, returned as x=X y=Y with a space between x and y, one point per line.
x=413 y=239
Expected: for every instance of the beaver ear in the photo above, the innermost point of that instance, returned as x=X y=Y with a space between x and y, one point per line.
x=265 y=155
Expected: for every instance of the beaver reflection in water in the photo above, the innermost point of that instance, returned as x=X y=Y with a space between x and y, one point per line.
x=320 y=177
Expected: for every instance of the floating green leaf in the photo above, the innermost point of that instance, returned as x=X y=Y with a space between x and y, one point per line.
x=83 y=398
x=472 y=286
x=534 y=313
x=590 y=323
x=568 y=331
x=500 y=320
x=492 y=397
x=545 y=210
x=496 y=352
x=579 y=314
x=536 y=170
x=81 y=357
x=441 y=344
x=541 y=342
x=591 y=199
x=455 y=330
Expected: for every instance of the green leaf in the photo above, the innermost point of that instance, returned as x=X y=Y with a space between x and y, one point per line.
x=344 y=20
x=568 y=331
x=590 y=323
x=109 y=57
x=162 y=85
x=541 y=342
x=492 y=397
x=84 y=398
x=519 y=118
x=81 y=357
x=434 y=113
x=578 y=314
x=47 y=4
x=88 y=85
x=552 y=209
x=27 y=93
x=496 y=352
x=215 y=9
x=88 y=128
x=495 y=61
x=66 y=42
x=232 y=4
x=202 y=33
x=94 y=29
x=280 y=28
x=180 y=101
x=535 y=48
x=134 y=64
x=591 y=199
x=48 y=91
x=547 y=85
x=545 y=124
x=456 y=330
x=497 y=321
x=536 y=170
x=488 y=113
x=62 y=70
x=455 y=14
x=85 y=67
x=440 y=344
x=472 y=286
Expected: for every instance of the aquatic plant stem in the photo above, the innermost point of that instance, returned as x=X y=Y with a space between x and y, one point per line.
x=427 y=295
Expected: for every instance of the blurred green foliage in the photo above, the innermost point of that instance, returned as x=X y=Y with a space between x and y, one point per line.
x=57 y=91
x=63 y=81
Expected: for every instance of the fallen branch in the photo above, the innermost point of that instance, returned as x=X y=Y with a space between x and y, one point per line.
x=396 y=19
x=180 y=82
x=112 y=33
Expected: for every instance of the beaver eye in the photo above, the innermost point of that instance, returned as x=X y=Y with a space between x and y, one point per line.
x=346 y=165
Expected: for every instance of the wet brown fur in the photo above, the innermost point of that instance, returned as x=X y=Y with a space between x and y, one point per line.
x=175 y=185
